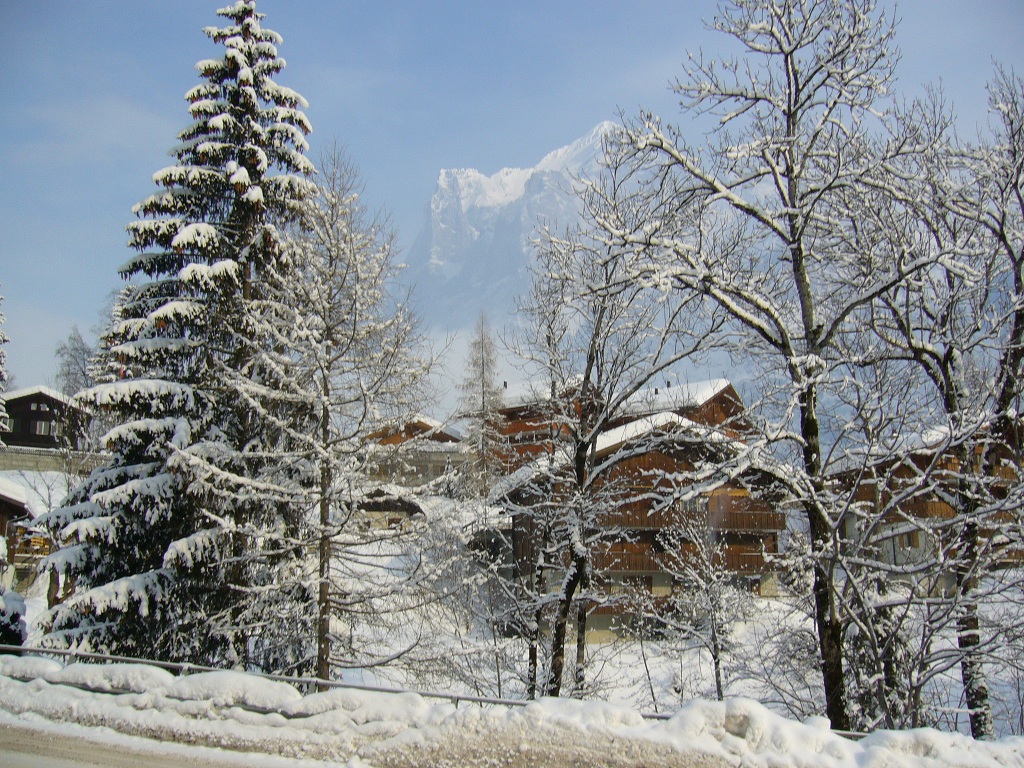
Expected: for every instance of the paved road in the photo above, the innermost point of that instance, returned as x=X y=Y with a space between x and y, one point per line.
x=31 y=748
x=22 y=747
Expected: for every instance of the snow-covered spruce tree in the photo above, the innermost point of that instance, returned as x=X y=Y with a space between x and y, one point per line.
x=174 y=542
x=748 y=222
x=481 y=403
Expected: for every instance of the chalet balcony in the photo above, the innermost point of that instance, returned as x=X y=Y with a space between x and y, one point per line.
x=732 y=514
x=739 y=559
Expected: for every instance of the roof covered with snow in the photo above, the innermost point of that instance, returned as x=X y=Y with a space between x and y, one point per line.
x=676 y=398
x=38 y=492
x=15 y=394
x=13 y=492
x=650 y=400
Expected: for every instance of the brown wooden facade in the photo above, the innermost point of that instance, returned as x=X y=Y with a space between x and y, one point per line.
x=631 y=551
x=912 y=528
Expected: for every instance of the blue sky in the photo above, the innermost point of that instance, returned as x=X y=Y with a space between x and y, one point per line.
x=93 y=97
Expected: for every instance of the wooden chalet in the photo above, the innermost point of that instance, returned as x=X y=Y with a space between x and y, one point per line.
x=694 y=423
x=24 y=547
x=40 y=417
x=415 y=452
x=914 y=525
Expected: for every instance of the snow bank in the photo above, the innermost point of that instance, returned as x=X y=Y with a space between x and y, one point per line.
x=350 y=724
x=133 y=678
x=227 y=688
x=28 y=667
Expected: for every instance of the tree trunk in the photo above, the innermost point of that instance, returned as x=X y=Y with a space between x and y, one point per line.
x=323 y=630
x=968 y=631
x=558 y=633
x=716 y=655
x=829 y=628
x=532 y=667
x=579 y=678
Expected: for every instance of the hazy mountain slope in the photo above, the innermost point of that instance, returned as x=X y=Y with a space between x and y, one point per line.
x=474 y=249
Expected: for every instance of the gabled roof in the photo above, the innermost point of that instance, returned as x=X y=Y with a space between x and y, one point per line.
x=632 y=431
x=13 y=493
x=676 y=398
x=667 y=423
x=646 y=401
x=418 y=427
x=53 y=394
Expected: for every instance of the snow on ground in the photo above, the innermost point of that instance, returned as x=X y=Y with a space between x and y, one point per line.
x=249 y=714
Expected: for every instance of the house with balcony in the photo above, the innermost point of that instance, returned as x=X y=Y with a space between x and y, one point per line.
x=906 y=502
x=661 y=437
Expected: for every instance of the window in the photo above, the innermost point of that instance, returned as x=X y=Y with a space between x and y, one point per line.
x=41 y=427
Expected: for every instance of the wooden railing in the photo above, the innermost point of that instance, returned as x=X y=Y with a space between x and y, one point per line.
x=636 y=516
x=740 y=559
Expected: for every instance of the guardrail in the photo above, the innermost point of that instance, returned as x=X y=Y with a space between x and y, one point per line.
x=186 y=668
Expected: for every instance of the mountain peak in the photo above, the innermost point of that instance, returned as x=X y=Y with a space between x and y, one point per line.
x=576 y=157
x=476 y=248
x=477 y=190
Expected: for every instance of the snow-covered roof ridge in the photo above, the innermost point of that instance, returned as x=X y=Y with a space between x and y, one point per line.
x=645 y=401
x=632 y=430
x=37 y=390
x=680 y=396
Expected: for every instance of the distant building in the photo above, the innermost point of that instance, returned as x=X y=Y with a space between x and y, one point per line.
x=705 y=417
x=416 y=452
x=908 y=499
x=22 y=547
x=40 y=417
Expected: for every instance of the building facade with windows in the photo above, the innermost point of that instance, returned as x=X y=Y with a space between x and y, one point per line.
x=663 y=436
x=41 y=417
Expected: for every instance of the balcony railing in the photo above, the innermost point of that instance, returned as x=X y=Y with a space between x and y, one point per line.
x=636 y=516
x=740 y=559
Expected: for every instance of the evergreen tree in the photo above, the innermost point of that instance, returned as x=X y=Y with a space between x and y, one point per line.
x=179 y=538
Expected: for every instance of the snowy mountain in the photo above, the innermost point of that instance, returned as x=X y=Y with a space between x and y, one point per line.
x=474 y=249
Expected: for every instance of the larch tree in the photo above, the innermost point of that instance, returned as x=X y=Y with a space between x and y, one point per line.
x=174 y=542
x=482 y=398
x=347 y=361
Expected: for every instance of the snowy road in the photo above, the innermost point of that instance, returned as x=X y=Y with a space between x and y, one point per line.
x=29 y=748
x=24 y=747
